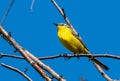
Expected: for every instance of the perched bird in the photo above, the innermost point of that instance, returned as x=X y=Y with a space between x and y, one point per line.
x=73 y=43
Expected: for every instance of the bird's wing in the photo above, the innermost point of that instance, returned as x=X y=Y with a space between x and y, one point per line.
x=80 y=39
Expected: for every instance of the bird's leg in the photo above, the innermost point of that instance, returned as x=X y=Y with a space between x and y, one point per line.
x=66 y=57
x=76 y=55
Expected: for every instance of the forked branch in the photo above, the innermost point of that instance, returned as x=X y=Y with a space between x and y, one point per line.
x=24 y=53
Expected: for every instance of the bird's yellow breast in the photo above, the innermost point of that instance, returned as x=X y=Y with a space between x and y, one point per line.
x=69 y=40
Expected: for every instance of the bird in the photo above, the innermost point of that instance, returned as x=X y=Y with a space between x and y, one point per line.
x=74 y=43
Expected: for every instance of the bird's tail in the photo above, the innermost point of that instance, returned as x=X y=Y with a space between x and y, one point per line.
x=96 y=60
x=100 y=64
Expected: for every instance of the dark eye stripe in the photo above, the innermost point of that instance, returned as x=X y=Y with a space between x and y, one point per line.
x=62 y=24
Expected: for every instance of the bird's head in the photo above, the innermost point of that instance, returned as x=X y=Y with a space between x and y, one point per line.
x=61 y=25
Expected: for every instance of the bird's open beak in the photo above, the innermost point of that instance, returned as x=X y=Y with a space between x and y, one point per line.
x=55 y=24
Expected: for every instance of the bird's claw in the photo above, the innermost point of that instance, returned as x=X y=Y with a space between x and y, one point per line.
x=66 y=57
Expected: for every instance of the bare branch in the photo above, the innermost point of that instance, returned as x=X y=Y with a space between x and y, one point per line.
x=65 y=56
x=32 y=63
x=40 y=70
x=79 y=55
x=30 y=58
x=25 y=54
x=17 y=70
x=6 y=13
x=47 y=68
x=102 y=72
x=11 y=55
x=62 y=12
x=32 y=3
x=72 y=56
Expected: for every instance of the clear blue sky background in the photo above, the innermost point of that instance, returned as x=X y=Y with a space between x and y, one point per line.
x=97 y=21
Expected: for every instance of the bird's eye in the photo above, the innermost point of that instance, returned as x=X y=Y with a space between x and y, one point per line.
x=67 y=26
x=63 y=24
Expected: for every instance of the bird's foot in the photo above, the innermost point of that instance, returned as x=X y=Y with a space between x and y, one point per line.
x=76 y=55
x=66 y=56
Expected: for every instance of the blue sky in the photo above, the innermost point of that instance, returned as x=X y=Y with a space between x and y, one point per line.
x=97 y=21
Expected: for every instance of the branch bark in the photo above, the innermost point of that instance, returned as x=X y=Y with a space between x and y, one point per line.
x=102 y=72
x=64 y=55
x=37 y=65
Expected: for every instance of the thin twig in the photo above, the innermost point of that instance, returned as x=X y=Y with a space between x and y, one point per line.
x=16 y=70
x=62 y=12
x=32 y=3
x=11 y=55
x=31 y=62
x=65 y=56
x=80 y=55
x=7 y=11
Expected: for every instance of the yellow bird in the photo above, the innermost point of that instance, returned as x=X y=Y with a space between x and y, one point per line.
x=73 y=43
